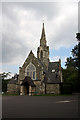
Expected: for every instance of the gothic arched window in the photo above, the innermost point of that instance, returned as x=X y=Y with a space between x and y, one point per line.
x=31 y=71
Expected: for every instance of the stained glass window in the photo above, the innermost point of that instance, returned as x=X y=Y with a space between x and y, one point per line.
x=33 y=75
x=31 y=71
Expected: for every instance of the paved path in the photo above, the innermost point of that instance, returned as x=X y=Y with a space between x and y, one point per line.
x=40 y=106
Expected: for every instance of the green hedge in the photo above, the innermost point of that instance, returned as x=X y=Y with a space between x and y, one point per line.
x=67 y=88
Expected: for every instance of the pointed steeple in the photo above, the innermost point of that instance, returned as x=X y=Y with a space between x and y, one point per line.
x=43 y=49
x=43 y=37
x=43 y=32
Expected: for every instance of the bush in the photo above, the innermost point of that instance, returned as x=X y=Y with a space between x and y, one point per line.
x=67 y=88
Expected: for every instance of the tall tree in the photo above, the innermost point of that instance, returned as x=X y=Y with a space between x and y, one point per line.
x=70 y=74
x=3 y=77
x=78 y=59
x=78 y=54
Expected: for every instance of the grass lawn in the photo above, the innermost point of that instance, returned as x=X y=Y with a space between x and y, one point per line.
x=9 y=94
x=54 y=95
x=41 y=94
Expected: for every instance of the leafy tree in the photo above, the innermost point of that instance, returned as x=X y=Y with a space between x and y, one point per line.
x=70 y=63
x=78 y=54
x=3 y=77
x=78 y=61
x=72 y=72
x=78 y=36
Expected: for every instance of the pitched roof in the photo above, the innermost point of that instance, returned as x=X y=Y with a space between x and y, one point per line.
x=53 y=66
x=31 y=52
x=51 y=77
x=29 y=81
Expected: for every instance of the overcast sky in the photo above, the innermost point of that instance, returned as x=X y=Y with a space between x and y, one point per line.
x=22 y=26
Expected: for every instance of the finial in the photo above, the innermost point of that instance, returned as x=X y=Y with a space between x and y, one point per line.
x=43 y=22
x=31 y=51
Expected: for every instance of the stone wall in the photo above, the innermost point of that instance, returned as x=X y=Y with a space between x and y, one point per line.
x=39 y=70
x=31 y=58
x=33 y=90
x=13 y=88
x=37 y=83
x=52 y=88
x=40 y=89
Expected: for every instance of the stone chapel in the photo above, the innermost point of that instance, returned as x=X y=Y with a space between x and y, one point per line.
x=39 y=75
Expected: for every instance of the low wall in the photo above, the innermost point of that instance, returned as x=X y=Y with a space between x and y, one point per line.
x=52 y=88
x=12 y=88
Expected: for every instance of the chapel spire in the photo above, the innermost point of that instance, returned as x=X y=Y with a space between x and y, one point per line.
x=43 y=31
x=43 y=49
x=43 y=37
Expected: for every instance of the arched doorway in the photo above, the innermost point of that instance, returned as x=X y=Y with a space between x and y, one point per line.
x=27 y=88
x=27 y=85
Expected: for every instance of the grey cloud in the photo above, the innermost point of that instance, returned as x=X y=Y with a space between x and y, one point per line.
x=64 y=37
x=12 y=49
x=44 y=9
x=49 y=9
x=79 y=16
x=14 y=46
x=8 y=13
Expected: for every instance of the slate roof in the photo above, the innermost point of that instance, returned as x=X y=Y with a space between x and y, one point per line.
x=51 y=77
x=53 y=66
x=29 y=81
